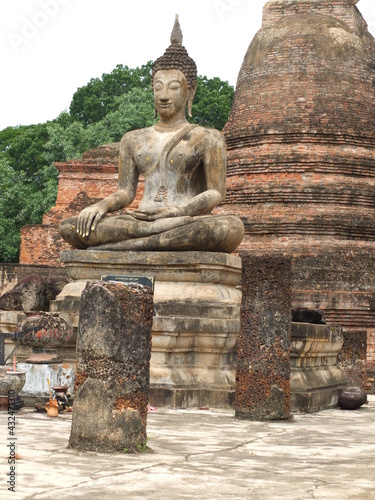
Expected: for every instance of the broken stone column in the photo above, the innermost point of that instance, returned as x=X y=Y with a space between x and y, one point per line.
x=112 y=379
x=263 y=370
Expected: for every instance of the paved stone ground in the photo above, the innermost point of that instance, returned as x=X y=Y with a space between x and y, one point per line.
x=201 y=454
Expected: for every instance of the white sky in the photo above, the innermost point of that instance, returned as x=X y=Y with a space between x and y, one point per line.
x=49 y=48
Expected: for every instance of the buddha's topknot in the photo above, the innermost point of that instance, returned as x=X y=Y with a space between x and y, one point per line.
x=176 y=57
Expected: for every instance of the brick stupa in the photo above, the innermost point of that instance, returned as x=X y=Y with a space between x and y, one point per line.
x=301 y=161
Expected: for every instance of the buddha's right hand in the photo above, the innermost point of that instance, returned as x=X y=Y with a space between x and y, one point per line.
x=88 y=219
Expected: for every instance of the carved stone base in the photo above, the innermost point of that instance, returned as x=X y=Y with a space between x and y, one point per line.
x=196 y=318
x=315 y=378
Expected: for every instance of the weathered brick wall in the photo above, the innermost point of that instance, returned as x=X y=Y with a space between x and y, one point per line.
x=274 y=10
x=301 y=150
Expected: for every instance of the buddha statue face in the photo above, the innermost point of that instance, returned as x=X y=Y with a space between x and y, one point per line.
x=172 y=94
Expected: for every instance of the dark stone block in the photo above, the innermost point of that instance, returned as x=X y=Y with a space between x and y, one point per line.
x=263 y=370
x=352 y=398
x=112 y=379
x=303 y=315
x=33 y=293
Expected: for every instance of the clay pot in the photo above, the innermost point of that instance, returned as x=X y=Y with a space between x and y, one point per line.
x=11 y=381
x=52 y=408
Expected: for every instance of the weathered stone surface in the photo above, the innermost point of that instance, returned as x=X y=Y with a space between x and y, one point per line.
x=353 y=357
x=352 y=398
x=50 y=331
x=99 y=425
x=33 y=293
x=13 y=273
x=200 y=267
x=112 y=379
x=37 y=376
x=263 y=370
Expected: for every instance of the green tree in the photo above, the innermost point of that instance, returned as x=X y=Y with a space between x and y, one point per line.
x=102 y=96
x=134 y=110
x=7 y=136
x=25 y=152
x=28 y=184
x=21 y=204
x=65 y=142
x=68 y=140
x=212 y=102
x=92 y=102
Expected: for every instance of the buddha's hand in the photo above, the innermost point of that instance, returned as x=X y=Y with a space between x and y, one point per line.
x=88 y=219
x=157 y=213
x=167 y=213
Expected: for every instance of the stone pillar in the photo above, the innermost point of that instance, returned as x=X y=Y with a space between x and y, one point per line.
x=263 y=370
x=112 y=379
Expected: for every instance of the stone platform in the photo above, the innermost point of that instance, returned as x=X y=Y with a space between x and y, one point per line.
x=195 y=329
x=196 y=318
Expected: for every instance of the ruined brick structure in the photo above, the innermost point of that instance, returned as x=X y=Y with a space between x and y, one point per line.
x=301 y=164
x=81 y=183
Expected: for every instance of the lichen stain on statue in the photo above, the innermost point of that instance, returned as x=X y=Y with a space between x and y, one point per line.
x=184 y=167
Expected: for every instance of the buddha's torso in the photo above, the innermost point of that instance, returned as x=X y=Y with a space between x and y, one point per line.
x=171 y=179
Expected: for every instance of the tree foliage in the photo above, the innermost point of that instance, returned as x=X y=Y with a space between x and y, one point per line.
x=91 y=103
x=100 y=112
x=212 y=102
x=22 y=202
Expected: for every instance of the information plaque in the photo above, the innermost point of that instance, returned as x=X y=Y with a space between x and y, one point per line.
x=140 y=280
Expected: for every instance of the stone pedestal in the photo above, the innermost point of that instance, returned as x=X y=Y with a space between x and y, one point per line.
x=315 y=377
x=196 y=318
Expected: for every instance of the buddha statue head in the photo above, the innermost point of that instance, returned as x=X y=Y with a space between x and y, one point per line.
x=177 y=58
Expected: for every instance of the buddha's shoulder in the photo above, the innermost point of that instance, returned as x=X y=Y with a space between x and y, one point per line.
x=135 y=137
x=139 y=133
x=206 y=134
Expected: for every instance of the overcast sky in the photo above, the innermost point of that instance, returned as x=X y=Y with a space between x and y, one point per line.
x=49 y=48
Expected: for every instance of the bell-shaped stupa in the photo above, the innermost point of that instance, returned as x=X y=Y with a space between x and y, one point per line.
x=301 y=160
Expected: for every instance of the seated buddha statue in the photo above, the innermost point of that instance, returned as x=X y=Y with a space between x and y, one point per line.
x=184 y=170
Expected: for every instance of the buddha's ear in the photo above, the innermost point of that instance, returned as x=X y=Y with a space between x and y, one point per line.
x=191 y=94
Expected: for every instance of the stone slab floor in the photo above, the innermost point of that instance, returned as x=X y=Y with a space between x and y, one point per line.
x=200 y=454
